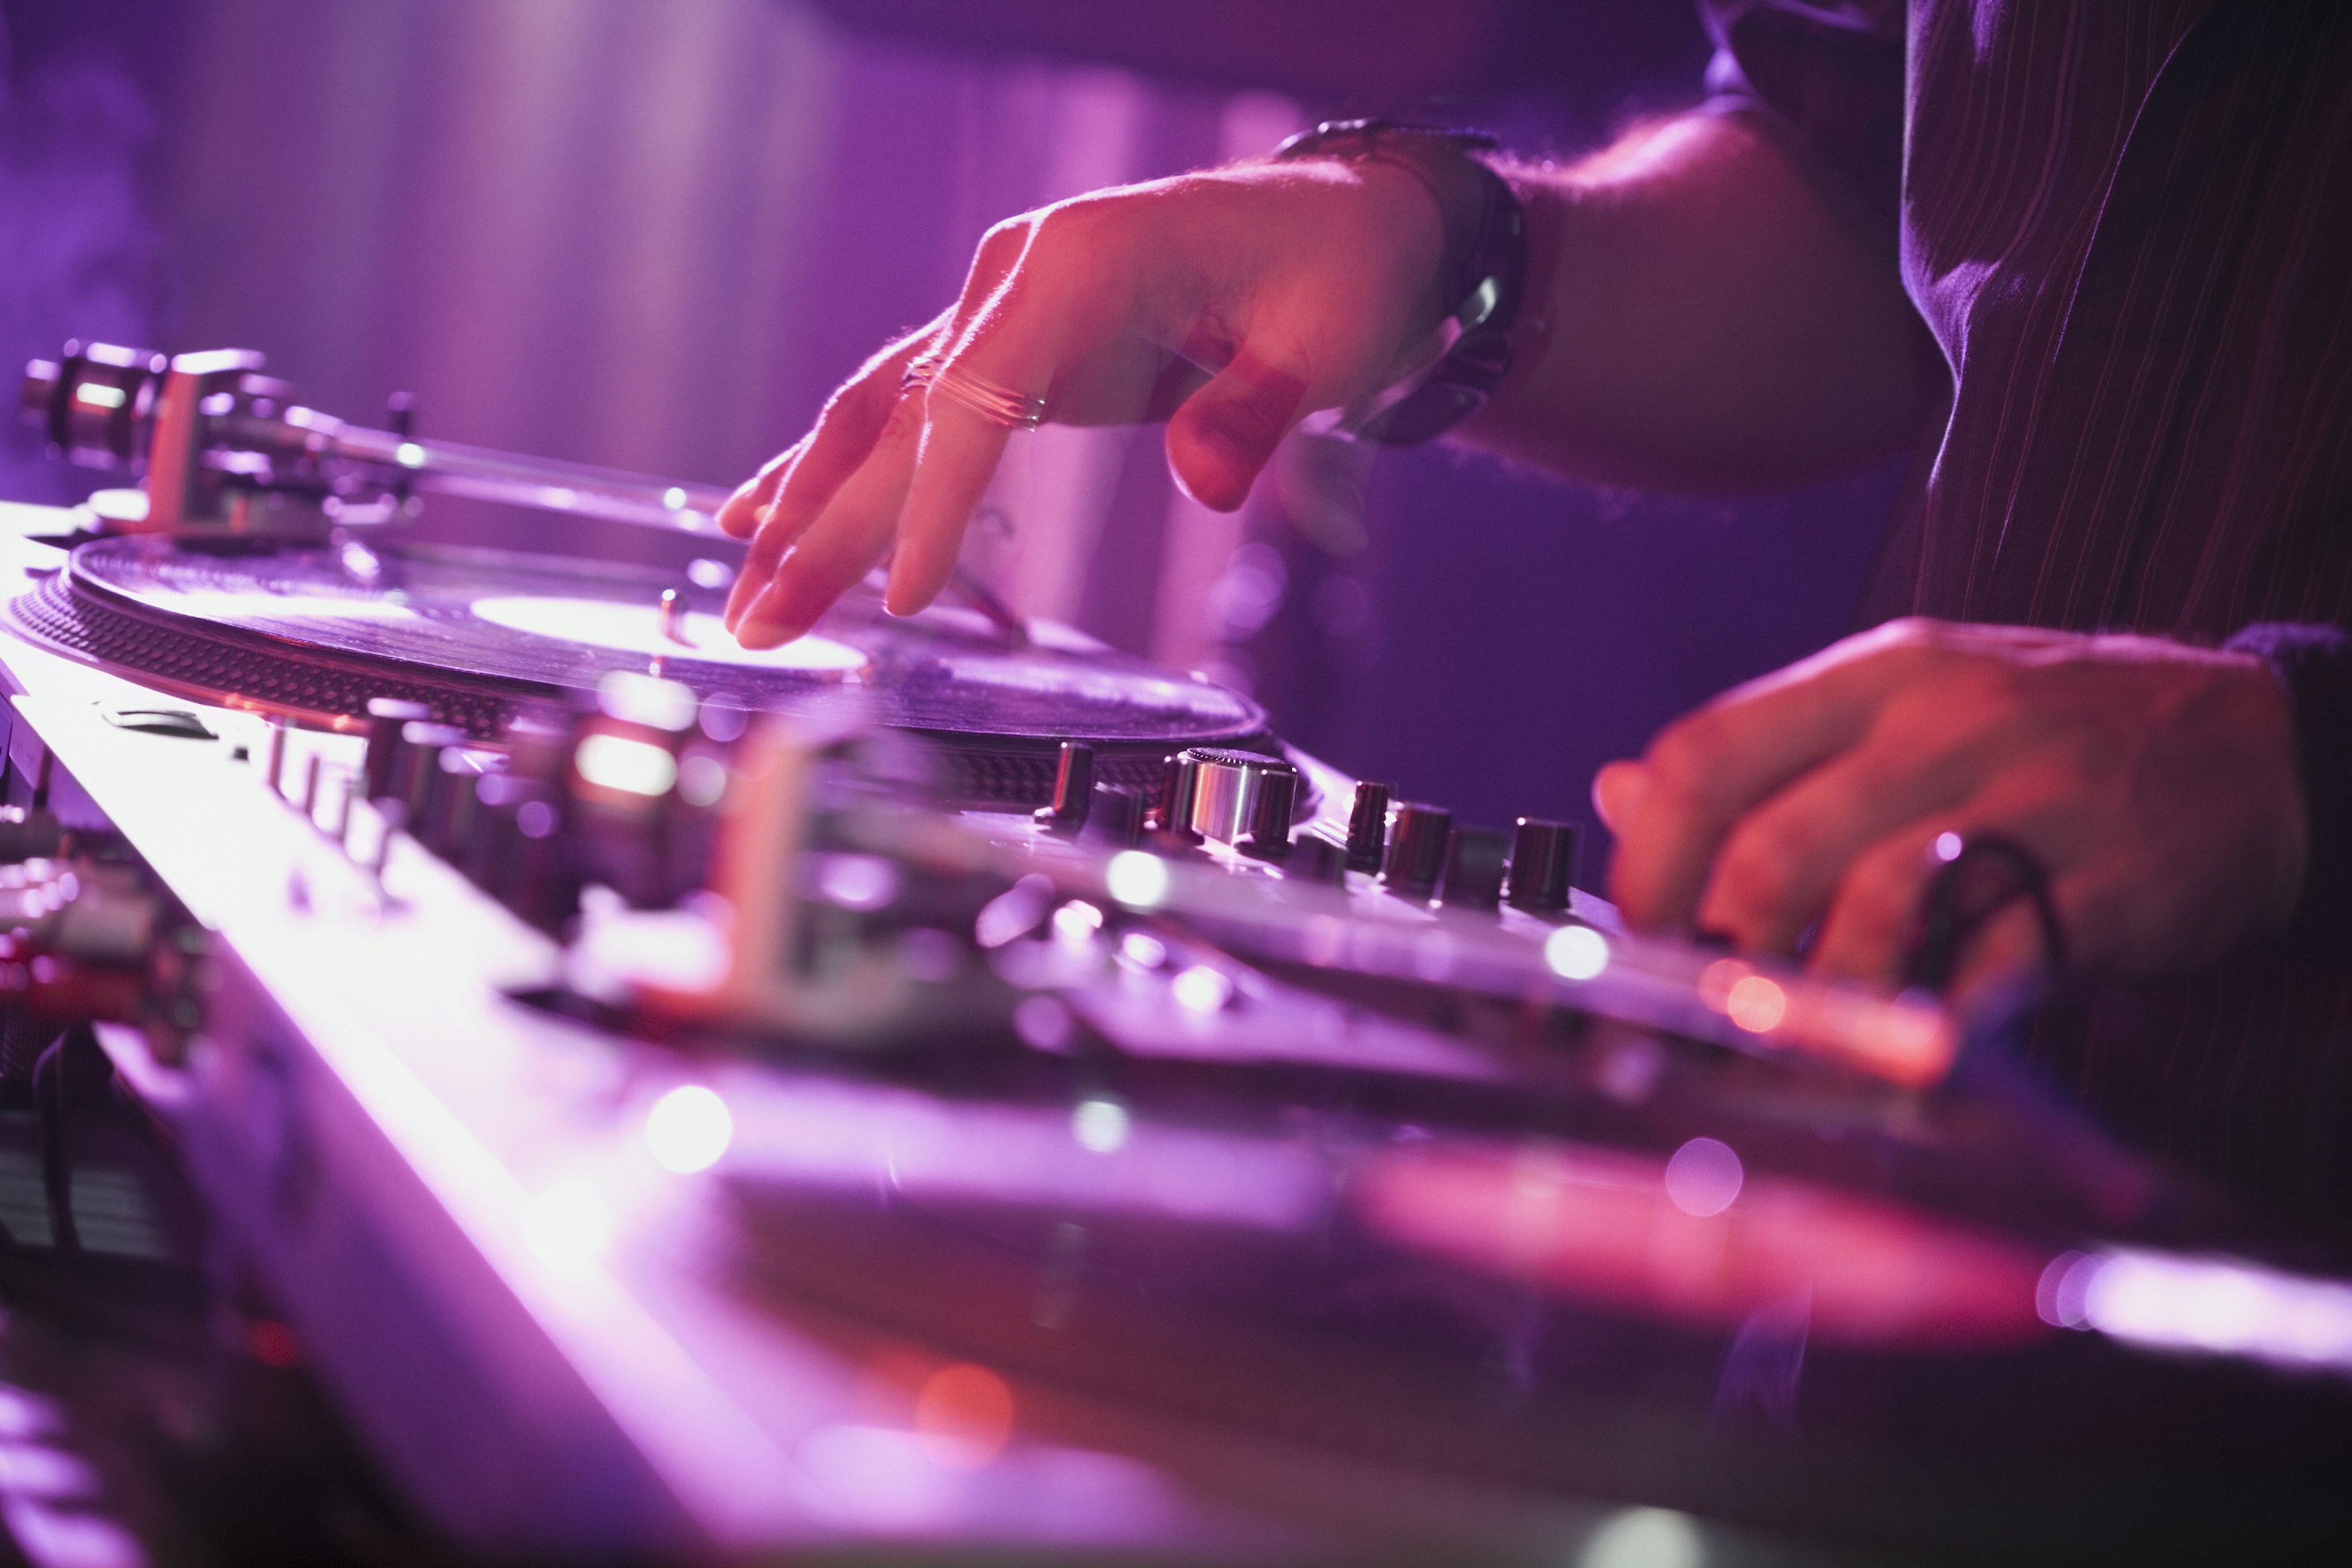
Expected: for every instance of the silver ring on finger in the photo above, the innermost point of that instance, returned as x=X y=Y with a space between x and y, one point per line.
x=919 y=373
x=997 y=405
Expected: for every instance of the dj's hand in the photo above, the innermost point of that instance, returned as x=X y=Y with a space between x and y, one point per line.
x=1233 y=303
x=2156 y=784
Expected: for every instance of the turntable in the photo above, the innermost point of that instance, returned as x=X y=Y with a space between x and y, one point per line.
x=313 y=633
x=267 y=574
x=943 y=1086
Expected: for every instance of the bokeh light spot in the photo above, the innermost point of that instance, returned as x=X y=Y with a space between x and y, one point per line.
x=1644 y=1538
x=1138 y=879
x=688 y=1128
x=1577 y=953
x=964 y=1416
x=1201 y=991
x=1100 y=1125
x=1757 y=1004
x=1703 y=1177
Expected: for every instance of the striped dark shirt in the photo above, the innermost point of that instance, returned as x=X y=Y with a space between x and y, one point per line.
x=2128 y=223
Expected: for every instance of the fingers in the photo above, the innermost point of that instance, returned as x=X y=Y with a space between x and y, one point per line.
x=1225 y=433
x=1704 y=773
x=1049 y=310
x=841 y=543
x=1297 y=279
x=1780 y=862
x=1875 y=917
x=1872 y=918
x=2147 y=779
x=1617 y=793
x=956 y=459
x=794 y=488
x=2009 y=946
x=740 y=516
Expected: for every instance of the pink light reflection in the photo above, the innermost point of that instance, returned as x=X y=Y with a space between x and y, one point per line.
x=1604 y=1228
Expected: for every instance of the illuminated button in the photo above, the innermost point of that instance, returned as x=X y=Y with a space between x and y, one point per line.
x=1577 y=953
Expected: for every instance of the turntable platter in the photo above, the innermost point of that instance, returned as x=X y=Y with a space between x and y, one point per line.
x=316 y=632
x=637 y=630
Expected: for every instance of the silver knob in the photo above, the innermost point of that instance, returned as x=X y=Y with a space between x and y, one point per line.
x=1223 y=794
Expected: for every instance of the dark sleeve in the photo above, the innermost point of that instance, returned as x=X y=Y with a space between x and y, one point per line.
x=2314 y=664
x=1830 y=72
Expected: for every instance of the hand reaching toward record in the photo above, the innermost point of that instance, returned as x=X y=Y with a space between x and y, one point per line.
x=1233 y=303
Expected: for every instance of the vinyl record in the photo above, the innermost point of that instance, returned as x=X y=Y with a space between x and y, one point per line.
x=315 y=633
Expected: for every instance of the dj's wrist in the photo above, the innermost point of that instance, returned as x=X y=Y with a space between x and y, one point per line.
x=1405 y=209
x=1480 y=278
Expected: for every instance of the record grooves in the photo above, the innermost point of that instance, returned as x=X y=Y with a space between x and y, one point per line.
x=315 y=633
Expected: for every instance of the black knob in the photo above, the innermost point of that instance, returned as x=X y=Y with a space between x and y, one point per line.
x=1315 y=860
x=417 y=763
x=385 y=717
x=1474 y=869
x=452 y=800
x=1268 y=837
x=1417 y=850
x=488 y=853
x=1074 y=784
x=1114 y=816
x=1368 y=826
x=515 y=852
x=1543 y=859
x=1277 y=802
x=1174 y=815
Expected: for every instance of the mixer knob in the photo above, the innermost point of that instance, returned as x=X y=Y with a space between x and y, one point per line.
x=1368 y=826
x=1315 y=860
x=417 y=763
x=1417 y=850
x=1474 y=869
x=514 y=851
x=1223 y=794
x=1114 y=816
x=1543 y=857
x=444 y=825
x=1268 y=837
x=385 y=717
x=1074 y=784
x=1172 y=813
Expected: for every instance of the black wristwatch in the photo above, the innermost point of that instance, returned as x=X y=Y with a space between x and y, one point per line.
x=1485 y=271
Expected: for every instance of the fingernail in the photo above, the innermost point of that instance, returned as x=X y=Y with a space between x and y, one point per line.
x=757 y=634
x=1223 y=487
x=773 y=618
x=1221 y=443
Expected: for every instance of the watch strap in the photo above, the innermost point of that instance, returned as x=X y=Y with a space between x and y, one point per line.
x=1482 y=276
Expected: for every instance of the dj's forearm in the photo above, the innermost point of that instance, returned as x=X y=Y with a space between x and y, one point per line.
x=1701 y=316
